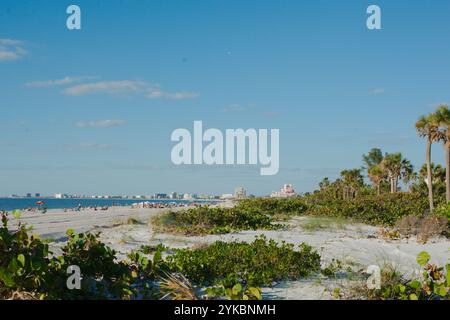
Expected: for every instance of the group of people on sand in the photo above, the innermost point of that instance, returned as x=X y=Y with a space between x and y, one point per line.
x=35 y=210
x=161 y=205
x=79 y=208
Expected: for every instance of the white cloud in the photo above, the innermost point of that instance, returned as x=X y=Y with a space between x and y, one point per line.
x=10 y=42
x=377 y=90
x=100 y=123
x=235 y=107
x=97 y=146
x=11 y=50
x=124 y=87
x=57 y=82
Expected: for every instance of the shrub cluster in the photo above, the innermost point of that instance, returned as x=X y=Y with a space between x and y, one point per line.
x=434 y=283
x=205 y=220
x=373 y=209
x=258 y=263
x=234 y=270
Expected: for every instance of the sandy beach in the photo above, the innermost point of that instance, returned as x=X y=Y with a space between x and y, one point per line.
x=56 y=222
x=356 y=245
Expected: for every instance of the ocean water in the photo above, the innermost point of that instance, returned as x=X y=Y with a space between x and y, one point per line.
x=9 y=204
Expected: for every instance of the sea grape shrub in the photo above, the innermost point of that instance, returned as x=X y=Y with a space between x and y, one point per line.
x=206 y=220
x=444 y=210
x=103 y=275
x=252 y=264
x=146 y=272
x=273 y=206
x=384 y=209
x=433 y=285
x=24 y=262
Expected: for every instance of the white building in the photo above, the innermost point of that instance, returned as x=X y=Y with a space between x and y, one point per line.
x=286 y=192
x=240 y=193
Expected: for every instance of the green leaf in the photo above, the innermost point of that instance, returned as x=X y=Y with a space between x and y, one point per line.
x=17 y=214
x=21 y=259
x=440 y=290
x=7 y=278
x=157 y=257
x=13 y=266
x=237 y=289
x=256 y=292
x=423 y=258
x=415 y=284
x=413 y=296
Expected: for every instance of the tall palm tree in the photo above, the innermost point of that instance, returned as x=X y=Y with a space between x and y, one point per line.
x=372 y=158
x=428 y=127
x=396 y=167
x=376 y=175
x=352 y=181
x=443 y=118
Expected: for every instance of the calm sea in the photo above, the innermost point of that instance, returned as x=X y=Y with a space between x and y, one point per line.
x=9 y=204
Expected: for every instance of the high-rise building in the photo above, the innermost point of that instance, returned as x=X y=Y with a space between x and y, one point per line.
x=173 y=195
x=240 y=193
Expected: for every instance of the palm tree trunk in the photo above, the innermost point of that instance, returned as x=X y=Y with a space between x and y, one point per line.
x=378 y=189
x=447 y=170
x=429 y=176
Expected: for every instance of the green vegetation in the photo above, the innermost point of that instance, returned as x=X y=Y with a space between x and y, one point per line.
x=370 y=208
x=330 y=209
x=205 y=220
x=258 y=263
x=234 y=270
x=434 y=283
x=321 y=223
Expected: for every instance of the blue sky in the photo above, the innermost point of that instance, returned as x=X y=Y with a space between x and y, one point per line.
x=310 y=68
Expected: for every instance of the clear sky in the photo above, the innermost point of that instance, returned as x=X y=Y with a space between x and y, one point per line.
x=91 y=111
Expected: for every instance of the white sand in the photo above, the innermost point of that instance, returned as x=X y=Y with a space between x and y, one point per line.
x=56 y=222
x=356 y=245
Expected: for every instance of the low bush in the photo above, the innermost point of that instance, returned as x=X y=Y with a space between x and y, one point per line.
x=205 y=220
x=258 y=263
x=434 y=283
x=24 y=261
x=233 y=270
x=275 y=207
x=385 y=209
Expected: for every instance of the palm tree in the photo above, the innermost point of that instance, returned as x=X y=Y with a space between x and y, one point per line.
x=427 y=127
x=437 y=172
x=352 y=181
x=372 y=162
x=325 y=183
x=372 y=158
x=396 y=167
x=376 y=175
x=443 y=118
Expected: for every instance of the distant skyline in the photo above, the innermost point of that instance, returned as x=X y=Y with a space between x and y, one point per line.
x=91 y=111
